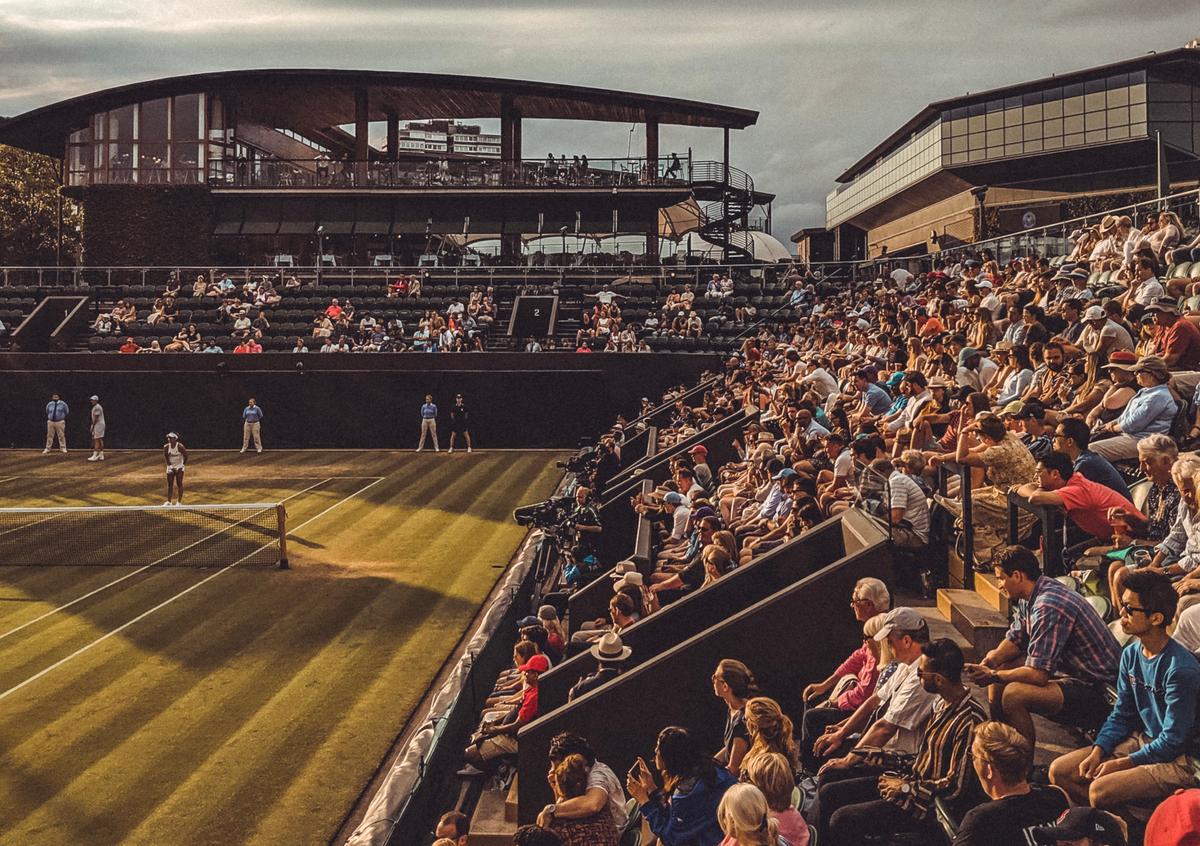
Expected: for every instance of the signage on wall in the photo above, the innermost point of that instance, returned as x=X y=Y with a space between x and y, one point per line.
x=1028 y=220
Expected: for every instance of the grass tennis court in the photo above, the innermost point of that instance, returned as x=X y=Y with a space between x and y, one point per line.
x=221 y=705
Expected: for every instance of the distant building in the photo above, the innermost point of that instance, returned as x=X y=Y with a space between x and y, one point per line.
x=1036 y=146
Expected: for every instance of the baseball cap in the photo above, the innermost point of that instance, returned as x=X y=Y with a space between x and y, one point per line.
x=1176 y=821
x=673 y=498
x=785 y=473
x=93 y=396
x=902 y=620
x=1078 y=823
x=172 y=435
x=538 y=663
x=983 y=283
x=1152 y=363
x=699 y=448
x=1095 y=313
x=895 y=379
x=530 y=620
x=965 y=354
x=1167 y=304
x=1013 y=409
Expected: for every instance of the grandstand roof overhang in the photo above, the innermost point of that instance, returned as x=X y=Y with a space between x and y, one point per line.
x=309 y=100
x=1184 y=61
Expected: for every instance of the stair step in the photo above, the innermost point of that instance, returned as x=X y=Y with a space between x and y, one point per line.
x=940 y=626
x=510 y=803
x=987 y=587
x=974 y=618
x=489 y=824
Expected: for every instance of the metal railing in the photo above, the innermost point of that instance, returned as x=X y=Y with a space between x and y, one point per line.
x=579 y=172
x=1054 y=239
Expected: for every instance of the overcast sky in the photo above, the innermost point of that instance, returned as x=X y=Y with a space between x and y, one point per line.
x=830 y=79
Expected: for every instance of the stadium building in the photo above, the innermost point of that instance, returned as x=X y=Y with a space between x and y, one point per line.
x=1028 y=155
x=242 y=167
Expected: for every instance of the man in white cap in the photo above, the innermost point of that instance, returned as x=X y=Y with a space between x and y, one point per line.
x=988 y=300
x=97 y=429
x=1101 y=335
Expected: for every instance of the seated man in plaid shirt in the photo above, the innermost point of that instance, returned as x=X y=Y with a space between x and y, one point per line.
x=1057 y=657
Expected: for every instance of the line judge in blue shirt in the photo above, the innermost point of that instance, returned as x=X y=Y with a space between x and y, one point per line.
x=56 y=424
x=429 y=414
x=252 y=416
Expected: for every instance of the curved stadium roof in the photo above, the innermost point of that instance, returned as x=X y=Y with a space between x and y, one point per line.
x=301 y=100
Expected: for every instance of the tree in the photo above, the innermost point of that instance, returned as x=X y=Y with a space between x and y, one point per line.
x=29 y=210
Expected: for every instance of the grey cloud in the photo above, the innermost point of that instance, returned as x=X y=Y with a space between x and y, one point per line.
x=830 y=78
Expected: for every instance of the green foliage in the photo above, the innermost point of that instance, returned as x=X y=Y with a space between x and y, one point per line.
x=29 y=210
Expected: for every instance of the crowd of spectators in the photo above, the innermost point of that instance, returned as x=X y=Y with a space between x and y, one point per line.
x=1038 y=387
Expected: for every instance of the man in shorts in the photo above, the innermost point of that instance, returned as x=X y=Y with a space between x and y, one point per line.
x=495 y=740
x=1056 y=659
x=1147 y=748
x=459 y=422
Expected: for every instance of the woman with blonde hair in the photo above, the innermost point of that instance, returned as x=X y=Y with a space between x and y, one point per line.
x=717 y=562
x=771 y=774
x=770 y=731
x=746 y=819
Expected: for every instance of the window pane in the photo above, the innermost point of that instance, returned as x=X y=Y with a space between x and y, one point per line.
x=1052 y=143
x=977 y=123
x=995 y=137
x=1116 y=133
x=152 y=124
x=1070 y=91
x=1033 y=146
x=1052 y=109
x=185 y=162
x=1033 y=131
x=185 y=121
x=1012 y=117
x=1137 y=113
x=120 y=124
x=1094 y=102
x=977 y=141
x=1073 y=140
x=152 y=161
x=959 y=144
x=1034 y=98
x=1118 y=117
x=995 y=120
x=1093 y=121
x=1052 y=128
x=1093 y=85
x=1118 y=97
x=1012 y=149
x=1073 y=124
x=120 y=160
x=1073 y=106
x=1137 y=93
x=1097 y=137
x=1013 y=134
x=1032 y=113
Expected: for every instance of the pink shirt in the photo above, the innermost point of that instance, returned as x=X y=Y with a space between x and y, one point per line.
x=862 y=665
x=792 y=828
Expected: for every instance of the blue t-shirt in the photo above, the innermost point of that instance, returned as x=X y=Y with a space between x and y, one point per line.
x=428 y=411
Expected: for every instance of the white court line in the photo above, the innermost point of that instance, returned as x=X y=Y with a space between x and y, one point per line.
x=169 y=600
x=77 y=600
x=8 y=479
x=28 y=525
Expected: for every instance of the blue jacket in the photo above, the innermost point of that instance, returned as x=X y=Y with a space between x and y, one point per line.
x=1150 y=410
x=690 y=819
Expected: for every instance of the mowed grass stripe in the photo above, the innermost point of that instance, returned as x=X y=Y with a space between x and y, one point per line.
x=58 y=583
x=50 y=639
x=403 y=675
x=373 y=627
x=63 y=634
x=291 y=757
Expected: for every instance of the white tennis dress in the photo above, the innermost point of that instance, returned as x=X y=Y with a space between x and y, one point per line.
x=97 y=421
x=174 y=458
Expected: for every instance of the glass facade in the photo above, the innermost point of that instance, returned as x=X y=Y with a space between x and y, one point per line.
x=1094 y=112
x=155 y=142
x=1109 y=109
x=914 y=160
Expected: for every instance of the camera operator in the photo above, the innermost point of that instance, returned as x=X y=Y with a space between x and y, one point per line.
x=585 y=519
x=605 y=465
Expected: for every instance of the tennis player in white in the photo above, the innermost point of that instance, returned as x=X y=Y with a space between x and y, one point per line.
x=176 y=455
x=97 y=427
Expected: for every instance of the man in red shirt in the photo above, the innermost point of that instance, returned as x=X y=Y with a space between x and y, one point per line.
x=1176 y=338
x=334 y=311
x=130 y=346
x=1087 y=503
x=497 y=739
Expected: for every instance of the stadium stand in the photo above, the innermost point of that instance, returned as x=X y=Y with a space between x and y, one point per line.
x=1010 y=437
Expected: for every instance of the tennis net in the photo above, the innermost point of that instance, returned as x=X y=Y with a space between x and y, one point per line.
x=249 y=535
